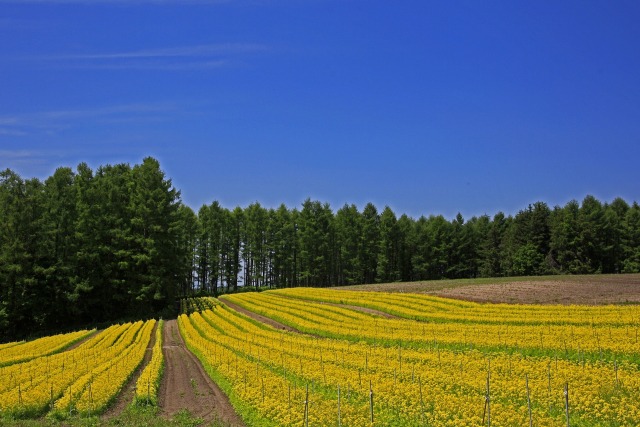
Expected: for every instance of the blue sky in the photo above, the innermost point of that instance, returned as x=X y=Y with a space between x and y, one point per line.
x=428 y=107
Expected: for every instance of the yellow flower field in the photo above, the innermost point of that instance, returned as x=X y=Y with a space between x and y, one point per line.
x=432 y=371
x=16 y=352
x=84 y=379
x=149 y=381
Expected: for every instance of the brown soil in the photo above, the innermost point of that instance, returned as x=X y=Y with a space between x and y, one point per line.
x=129 y=390
x=260 y=318
x=549 y=292
x=350 y=307
x=579 y=289
x=582 y=289
x=185 y=384
x=363 y=310
x=82 y=341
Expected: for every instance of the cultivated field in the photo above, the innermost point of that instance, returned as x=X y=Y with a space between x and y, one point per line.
x=589 y=290
x=82 y=380
x=439 y=362
x=327 y=357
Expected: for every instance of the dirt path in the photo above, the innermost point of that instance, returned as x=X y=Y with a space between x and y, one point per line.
x=349 y=307
x=82 y=341
x=129 y=390
x=186 y=385
x=259 y=317
x=365 y=310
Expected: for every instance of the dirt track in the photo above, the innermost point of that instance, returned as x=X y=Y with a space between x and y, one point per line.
x=129 y=390
x=363 y=310
x=259 y=317
x=187 y=386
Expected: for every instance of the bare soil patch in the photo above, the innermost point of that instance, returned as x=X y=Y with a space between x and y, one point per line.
x=565 y=290
x=129 y=390
x=362 y=310
x=82 y=341
x=349 y=307
x=551 y=292
x=185 y=384
x=260 y=318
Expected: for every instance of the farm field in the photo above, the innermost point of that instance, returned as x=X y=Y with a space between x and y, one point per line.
x=116 y=376
x=82 y=380
x=325 y=357
x=427 y=366
x=573 y=289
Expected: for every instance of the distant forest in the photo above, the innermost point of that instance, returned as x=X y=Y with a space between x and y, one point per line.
x=86 y=246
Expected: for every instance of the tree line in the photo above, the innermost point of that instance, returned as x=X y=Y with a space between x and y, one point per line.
x=87 y=247
x=92 y=246
x=315 y=246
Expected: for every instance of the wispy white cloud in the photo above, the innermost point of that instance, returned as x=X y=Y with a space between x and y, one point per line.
x=31 y=160
x=18 y=154
x=9 y=120
x=154 y=65
x=206 y=56
x=11 y=132
x=53 y=121
x=118 y=2
x=206 y=50
x=108 y=111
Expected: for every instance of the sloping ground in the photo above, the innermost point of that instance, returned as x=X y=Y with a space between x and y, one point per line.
x=260 y=318
x=129 y=390
x=582 y=289
x=550 y=292
x=80 y=342
x=186 y=385
x=350 y=307
x=364 y=310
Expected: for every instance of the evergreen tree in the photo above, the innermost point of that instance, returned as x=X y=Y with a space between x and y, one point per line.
x=348 y=229
x=369 y=243
x=315 y=237
x=406 y=238
x=566 y=240
x=20 y=212
x=57 y=248
x=491 y=247
x=86 y=247
x=631 y=241
x=187 y=229
x=388 y=263
x=421 y=249
x=591 y=233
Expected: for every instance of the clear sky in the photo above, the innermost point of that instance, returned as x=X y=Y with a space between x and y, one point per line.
x=430 y=107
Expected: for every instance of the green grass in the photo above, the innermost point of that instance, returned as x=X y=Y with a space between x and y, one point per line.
x=133 y=416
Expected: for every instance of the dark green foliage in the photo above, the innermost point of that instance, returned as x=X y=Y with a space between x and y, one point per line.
x=316 y=235
x=90 y=247
x=348 y=229
x=388 y=265
x=631 y=240
x=316 y=247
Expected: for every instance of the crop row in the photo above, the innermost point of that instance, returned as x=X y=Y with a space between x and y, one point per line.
x=597 y=341
x=84 y=379
x=436 y=309
x=191 y=304
x=395 y=383
x=148 y=382
x=16 y=352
